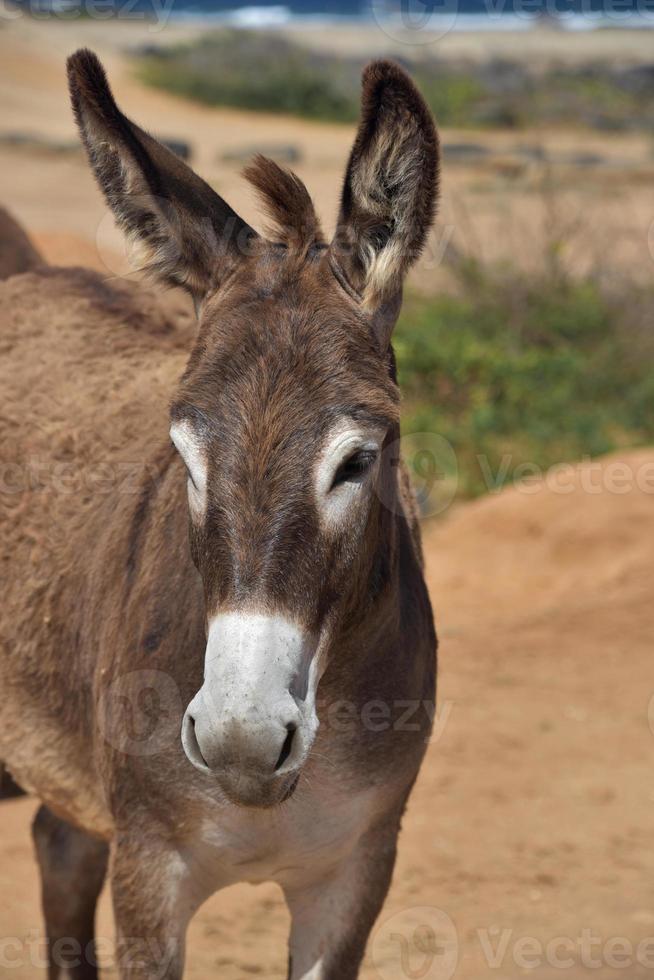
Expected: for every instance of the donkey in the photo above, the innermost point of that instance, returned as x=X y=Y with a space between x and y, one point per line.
x=256 y=586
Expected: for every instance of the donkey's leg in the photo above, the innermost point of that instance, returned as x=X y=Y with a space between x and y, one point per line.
x=154 y=898
x=332 y=918
x=73 y=867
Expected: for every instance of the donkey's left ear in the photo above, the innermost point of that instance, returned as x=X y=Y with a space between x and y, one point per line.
x=389 y=193
x=186 y=234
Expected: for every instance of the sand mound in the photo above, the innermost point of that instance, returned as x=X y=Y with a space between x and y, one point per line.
x=581 y=534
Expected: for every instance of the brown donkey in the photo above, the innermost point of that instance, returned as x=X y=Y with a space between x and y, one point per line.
x=256 y=586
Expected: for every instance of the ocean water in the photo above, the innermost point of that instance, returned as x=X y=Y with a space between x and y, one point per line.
x=426 y=15
x=398 y=17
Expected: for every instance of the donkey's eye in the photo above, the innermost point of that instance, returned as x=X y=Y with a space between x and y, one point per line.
x=354 y=467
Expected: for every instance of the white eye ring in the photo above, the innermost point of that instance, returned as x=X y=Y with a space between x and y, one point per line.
x=335 y=496
x=191 y=449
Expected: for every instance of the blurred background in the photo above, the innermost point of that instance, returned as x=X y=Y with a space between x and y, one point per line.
x=525 y=353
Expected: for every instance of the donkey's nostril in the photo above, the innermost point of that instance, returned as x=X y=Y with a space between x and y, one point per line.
x=191 y=744
x=286 y=747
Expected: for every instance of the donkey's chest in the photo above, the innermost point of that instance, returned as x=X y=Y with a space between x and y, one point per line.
x=313 y=831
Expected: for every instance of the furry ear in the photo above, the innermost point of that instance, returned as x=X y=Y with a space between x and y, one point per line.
x=184 y=231
x=286 y=202
x=390 y=189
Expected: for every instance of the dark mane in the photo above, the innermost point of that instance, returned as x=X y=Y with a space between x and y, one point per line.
x=287 y=204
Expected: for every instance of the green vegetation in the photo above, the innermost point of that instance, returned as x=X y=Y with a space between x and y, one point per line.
x=527 y=370
x=255 y=71
x=267 y=72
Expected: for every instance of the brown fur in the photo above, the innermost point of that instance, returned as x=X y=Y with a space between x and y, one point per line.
x=17 y=254
x=287 y=203
x=391 y=184
x=142 y=181
x=103 y=589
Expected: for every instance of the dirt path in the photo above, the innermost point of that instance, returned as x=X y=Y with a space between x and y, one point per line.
x=532 y=818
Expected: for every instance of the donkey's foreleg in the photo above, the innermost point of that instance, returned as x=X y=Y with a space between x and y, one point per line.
x=73 y=867
x=332 y=918
x=154 y=899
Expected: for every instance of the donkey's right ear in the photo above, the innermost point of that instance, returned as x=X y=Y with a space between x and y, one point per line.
x=389 y=192
x=186 y=234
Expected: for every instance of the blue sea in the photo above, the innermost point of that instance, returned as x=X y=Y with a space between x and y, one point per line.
x=471 y=15
x=401 y=15
x=572 y=15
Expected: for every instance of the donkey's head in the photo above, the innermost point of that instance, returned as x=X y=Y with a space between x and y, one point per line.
x=287 y=415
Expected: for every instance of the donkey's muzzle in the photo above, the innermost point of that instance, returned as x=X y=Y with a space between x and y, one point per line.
x=253 y=721
x=251 y=764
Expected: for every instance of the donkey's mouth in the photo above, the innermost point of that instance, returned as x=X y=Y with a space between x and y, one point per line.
x=253 y=792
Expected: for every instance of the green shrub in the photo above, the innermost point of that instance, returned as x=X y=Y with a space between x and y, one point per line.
x=544 y=370
x=265 y=71
x=255 y=71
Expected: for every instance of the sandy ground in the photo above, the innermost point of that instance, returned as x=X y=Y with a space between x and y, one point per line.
x=527 y=847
